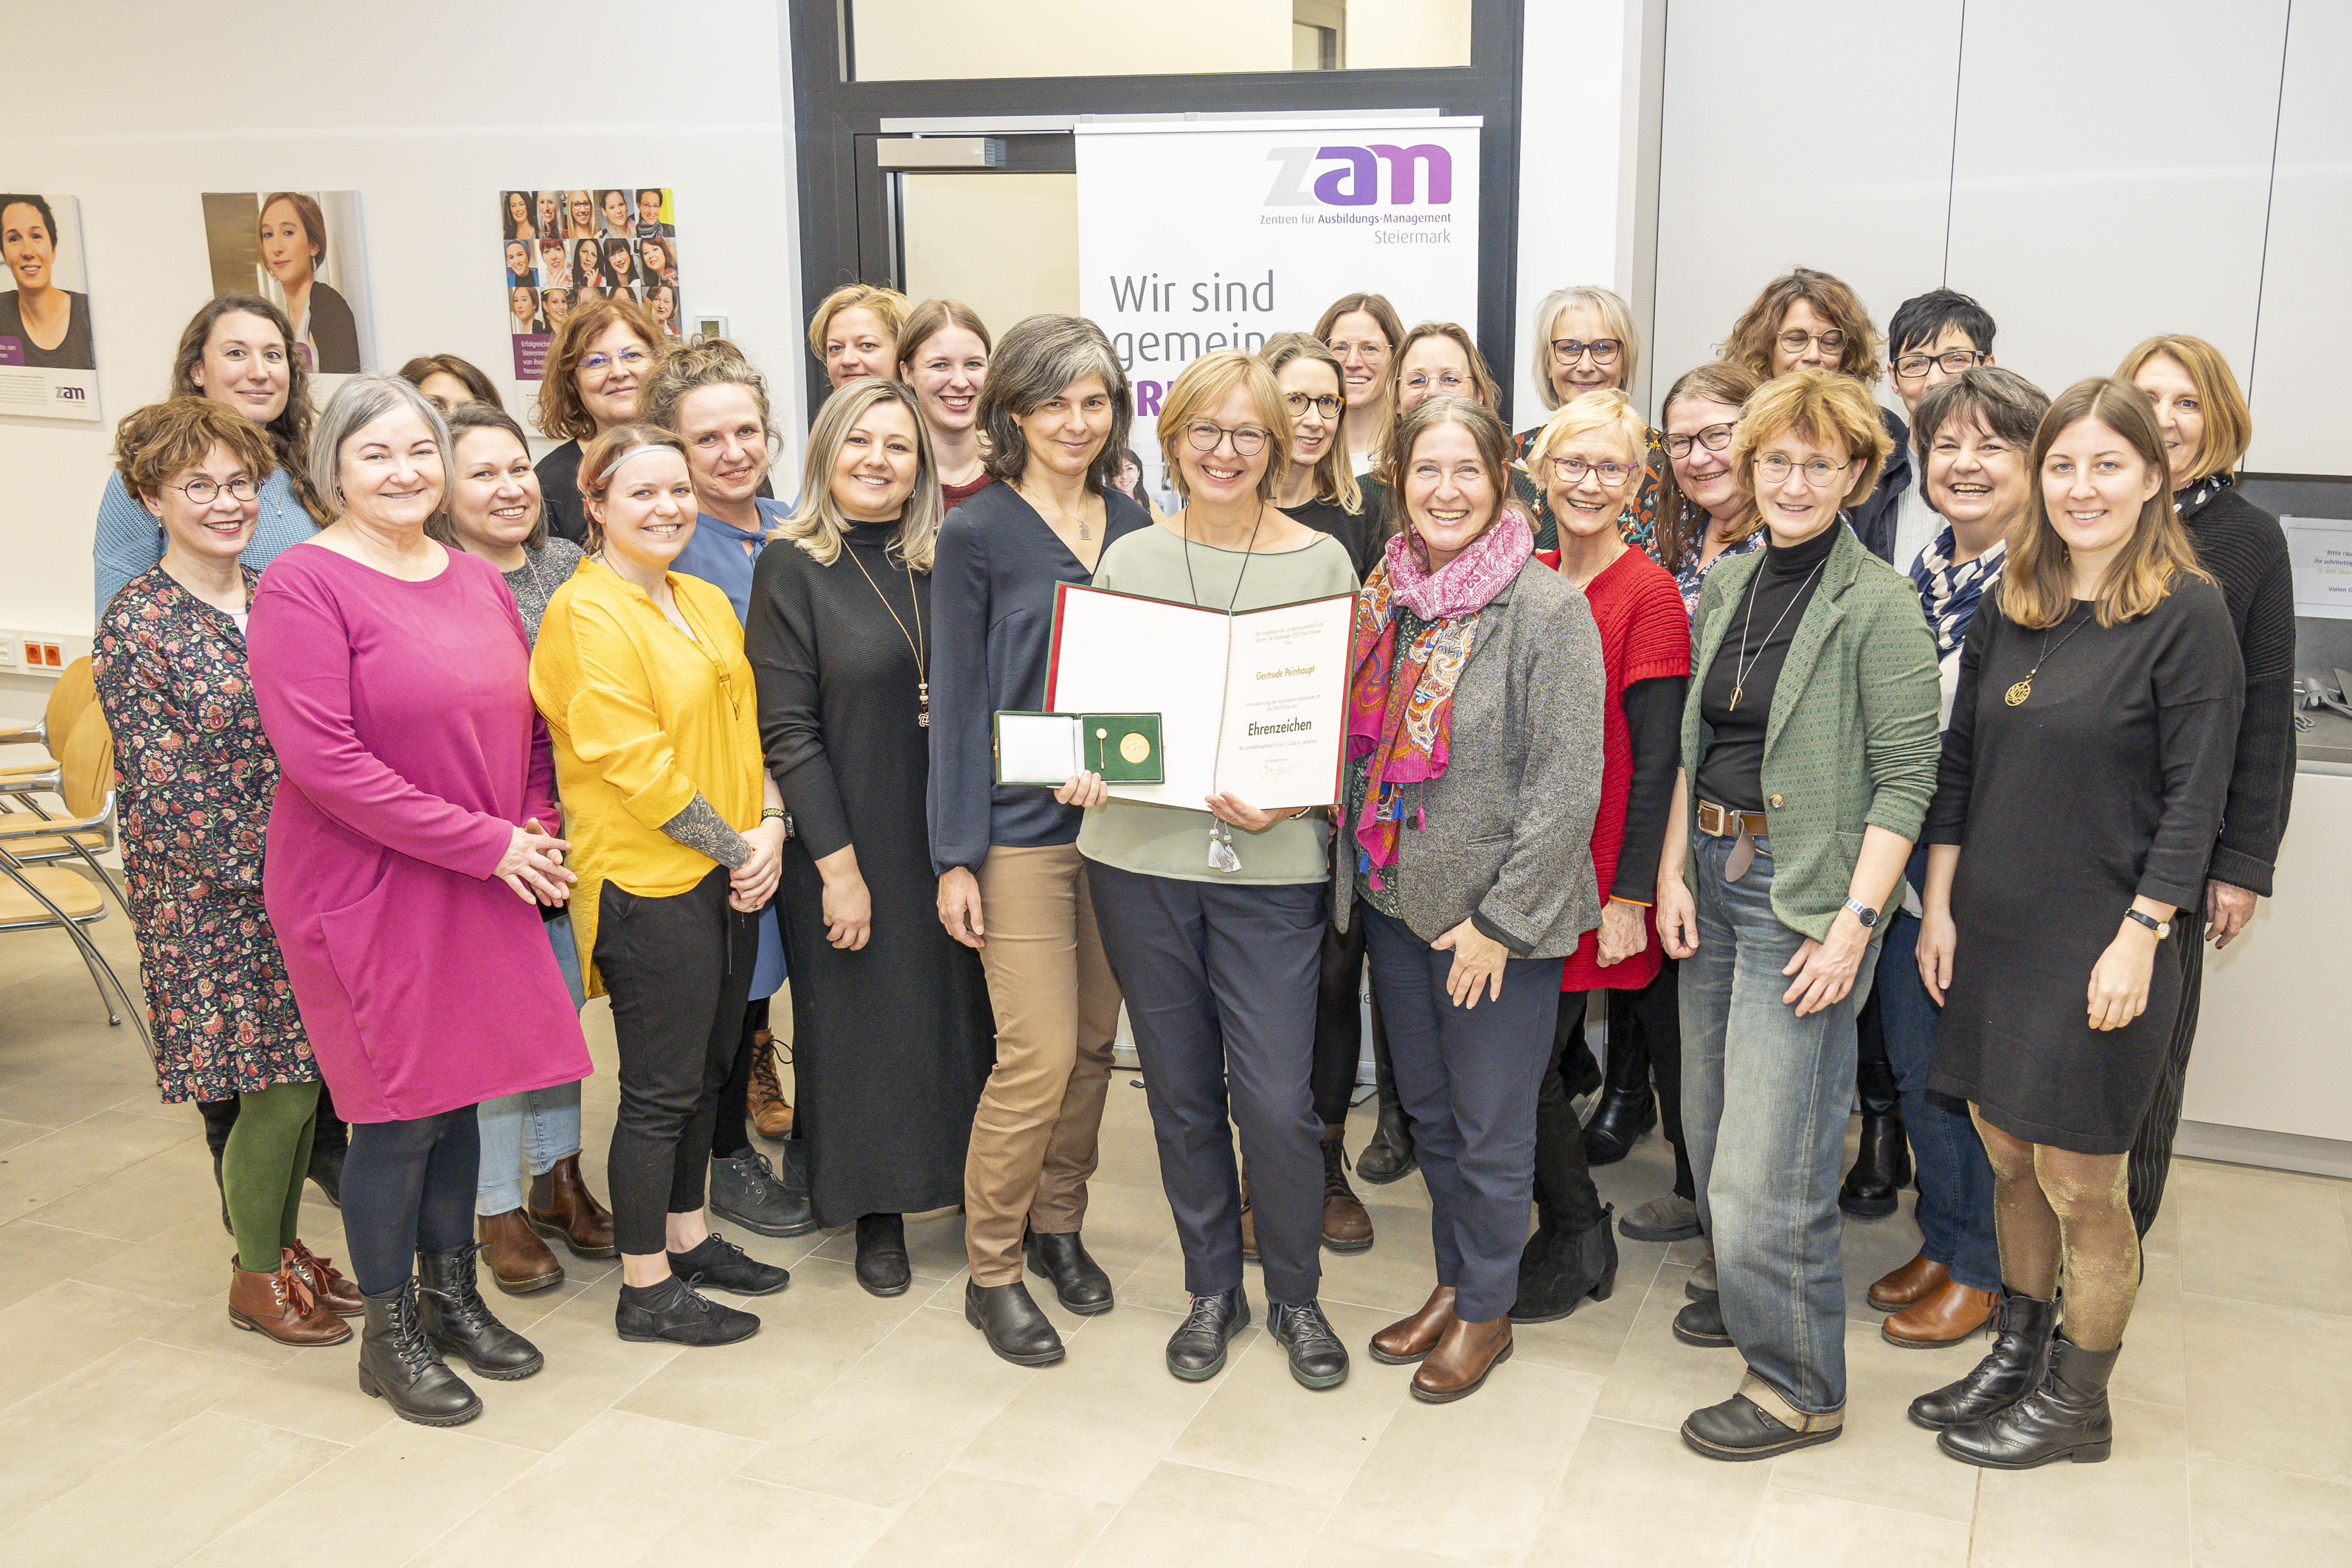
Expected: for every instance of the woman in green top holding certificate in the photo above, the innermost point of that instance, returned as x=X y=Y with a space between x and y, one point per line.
x=1212 y=919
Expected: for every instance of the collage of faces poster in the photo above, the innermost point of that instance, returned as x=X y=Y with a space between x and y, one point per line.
x=48 y=365
x=302 y=251
x=562 y=246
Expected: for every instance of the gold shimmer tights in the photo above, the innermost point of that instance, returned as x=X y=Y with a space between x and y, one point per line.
x=2059 y=1211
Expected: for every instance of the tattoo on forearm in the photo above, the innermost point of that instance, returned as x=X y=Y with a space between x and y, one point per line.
x=699 y=826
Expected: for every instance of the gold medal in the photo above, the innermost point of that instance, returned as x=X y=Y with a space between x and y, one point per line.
x=2016 y=695
x=1134 y=748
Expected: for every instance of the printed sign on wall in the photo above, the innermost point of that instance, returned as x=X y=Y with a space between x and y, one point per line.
x=48 y=367
x=303 y=252
x=562 y=246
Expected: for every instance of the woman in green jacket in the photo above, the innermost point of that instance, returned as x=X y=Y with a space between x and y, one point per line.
x=1809 y=754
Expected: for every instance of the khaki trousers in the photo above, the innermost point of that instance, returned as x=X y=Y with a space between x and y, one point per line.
x=1035 y=1133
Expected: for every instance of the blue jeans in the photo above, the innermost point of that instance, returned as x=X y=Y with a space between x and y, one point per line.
x=1955 y=1208
x=544 y=1124
x=1764 y=1109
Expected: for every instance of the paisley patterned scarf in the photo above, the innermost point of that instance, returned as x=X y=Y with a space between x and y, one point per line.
x=1400 y=710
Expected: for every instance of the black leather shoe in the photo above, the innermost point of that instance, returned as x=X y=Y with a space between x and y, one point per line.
x=1618 y=1122
x=2065 y=1418
x=745 y=1192
x=1318 y=1359
x=1559 y=1270
x=327 y=1170
x=882 y=1267
x=674 y=1312
x=1880 y=1167
x=450 y=1308
x=719 y=1265
x=2020 y=1355
x=1012 y=1324
x=1740 y=1429
x=399 y=1366
x=1079 y=1281
x=1701 y=1324
x=1389 y=1157
x=1196 y=1350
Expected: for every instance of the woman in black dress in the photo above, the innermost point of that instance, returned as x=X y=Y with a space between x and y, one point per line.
x=2084 y=770
x=892 y=1036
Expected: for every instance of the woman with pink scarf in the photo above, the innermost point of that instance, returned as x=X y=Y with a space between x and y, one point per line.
x=1474 y=745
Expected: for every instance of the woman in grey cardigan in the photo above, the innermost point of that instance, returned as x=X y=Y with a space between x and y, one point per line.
x=1474 y=744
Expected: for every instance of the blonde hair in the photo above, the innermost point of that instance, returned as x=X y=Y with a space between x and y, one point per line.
x=2037 y=585
x=1335 y=476
x=818 y=527
x=886 y=303
x=1591 y=414
x=2229 y=423
x=705 y=361
x=1206 y=383
x=1616 y=317
x=1827 y=408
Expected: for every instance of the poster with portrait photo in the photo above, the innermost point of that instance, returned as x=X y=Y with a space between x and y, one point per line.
x=49 y=359
x=558 y=247
x=303 y=252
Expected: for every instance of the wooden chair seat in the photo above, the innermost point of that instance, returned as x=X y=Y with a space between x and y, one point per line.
x=76 y=895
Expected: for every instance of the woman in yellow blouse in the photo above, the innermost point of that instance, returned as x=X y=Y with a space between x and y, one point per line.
x=676 y=834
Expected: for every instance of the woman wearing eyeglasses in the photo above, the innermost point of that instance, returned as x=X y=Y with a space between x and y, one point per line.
x=1363 y=330
x=601 y=359
x=1585 y=340
x=1704 y=510
x=1439 y=359
x=1794 y=812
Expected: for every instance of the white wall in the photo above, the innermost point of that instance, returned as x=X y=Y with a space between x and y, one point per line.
x=428 y=114
x=2306 y=313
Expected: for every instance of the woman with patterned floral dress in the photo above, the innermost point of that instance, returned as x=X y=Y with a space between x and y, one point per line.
x=196 y=778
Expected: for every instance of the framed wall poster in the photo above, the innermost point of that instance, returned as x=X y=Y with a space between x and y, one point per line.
x=48 y=364
x=304 y=253
x=558 y=247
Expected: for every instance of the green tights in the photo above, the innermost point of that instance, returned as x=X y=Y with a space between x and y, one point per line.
x=262 y=1170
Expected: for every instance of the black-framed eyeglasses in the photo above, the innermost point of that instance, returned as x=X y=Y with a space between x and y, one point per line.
x=1326 y=405
x=1715 y=438
x=1911 y=367
x=203 y=492
x=1793 y=341
x=1604 y=351
x=1819 y=472
x=1571 y=471
x=1249 y=440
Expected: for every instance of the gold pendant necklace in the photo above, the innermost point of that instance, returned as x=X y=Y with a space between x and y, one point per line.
x=2016 y=695
x=914 y=642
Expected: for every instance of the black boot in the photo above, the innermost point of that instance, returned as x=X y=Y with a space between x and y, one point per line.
x=1078 y=1281
x=1318 y=1359
x=399 y=1365
x=453 y=1315
x=1560 y=1268
x=1701 y=1324
x=327 y=1169
x=2020 y=1355
x=2065 y=1417
x=220 y=1119
x=882 y=1266
x=1388 y=1155
x=1196 y=1350
x=1882 y=1164
x=1626 y=1109
x=223 y=1187
x=1009 y=1321
x=764 y=1202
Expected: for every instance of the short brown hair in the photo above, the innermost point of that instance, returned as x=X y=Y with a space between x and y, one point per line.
x=1751 y=343
x=153 y=442
x=1204 y=383
x=886 y=303
x=602 y=455
x=1826 y=407
x=1485 y=427
x=424 y=365
x=2229 y=423
x=559 y=411
x=463 y=420
x=1718 y=381
x=929 y=320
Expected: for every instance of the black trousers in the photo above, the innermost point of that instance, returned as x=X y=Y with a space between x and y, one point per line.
x=1220 y=984
x=678 y=971
x=1650 y=1021
x=2150 y=1160
x=408 y=1187
x=731 y=1122
x=1565 y=1195
x=1340 y=1024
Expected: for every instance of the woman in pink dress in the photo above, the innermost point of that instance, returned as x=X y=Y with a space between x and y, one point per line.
x=410 y=847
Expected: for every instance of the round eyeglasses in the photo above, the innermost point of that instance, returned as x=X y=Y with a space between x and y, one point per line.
x=1571 y=471
x=1326 y=405
x=1715 y=438
x=203 y=492
x=1248 y=441
x=1819 y=472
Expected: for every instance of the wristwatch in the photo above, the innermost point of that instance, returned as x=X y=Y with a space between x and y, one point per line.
x=1865 y=913
x=2162 y=927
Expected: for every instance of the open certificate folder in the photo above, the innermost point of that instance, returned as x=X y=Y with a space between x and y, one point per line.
x=1252 y=703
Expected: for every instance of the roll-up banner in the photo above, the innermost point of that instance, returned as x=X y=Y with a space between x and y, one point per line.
x=1202 y=235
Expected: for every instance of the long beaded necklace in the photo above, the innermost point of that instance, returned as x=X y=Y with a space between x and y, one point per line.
x=915 y=642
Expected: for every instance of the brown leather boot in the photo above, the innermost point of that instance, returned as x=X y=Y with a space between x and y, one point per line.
x=279 y=1306
x=1408 y=1340
x=338 y=1294
x=1462 y=1360
x=518 y=1261
x=1346 y=1226
x=772 y=1113
x=1907 y=1284
x=1945 y=1316
x=561 y=1205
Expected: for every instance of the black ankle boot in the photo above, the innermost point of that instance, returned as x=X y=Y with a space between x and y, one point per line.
x=2066 y=1417
x=1882 y=1164
x=223 y=1187
x=1079 y=1281
x=882 y=1266
x=453 y=1315
x=2020 y=1354
x=1196 y=1350
x=1318 y=1359
x=1389 y=1157
x=1626 y=1109
x=1560 y=1268
x=399 y=1365
x=327 y=1170
x=1009 y=1319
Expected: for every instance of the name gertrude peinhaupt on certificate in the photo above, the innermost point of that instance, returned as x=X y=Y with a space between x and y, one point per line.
x=1251 y=704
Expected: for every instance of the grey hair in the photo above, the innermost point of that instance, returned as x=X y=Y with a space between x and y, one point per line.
x=1615 y=314
x=818 y=526
x=1035 y=360
x=357 y=404
x=2004 y=402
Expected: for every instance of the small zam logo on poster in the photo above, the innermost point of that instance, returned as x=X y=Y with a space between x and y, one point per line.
x=74 y=393
x=1357 y=182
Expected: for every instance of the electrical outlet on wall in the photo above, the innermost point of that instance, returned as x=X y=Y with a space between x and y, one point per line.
x=39 y=653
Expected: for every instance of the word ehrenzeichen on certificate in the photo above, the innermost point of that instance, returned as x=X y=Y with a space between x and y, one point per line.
x=1251 y=704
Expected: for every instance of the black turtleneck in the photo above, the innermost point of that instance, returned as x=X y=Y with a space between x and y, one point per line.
x=1763 y=622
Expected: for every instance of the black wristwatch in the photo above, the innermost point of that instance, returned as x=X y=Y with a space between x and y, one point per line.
x=2162 y=927
x=1865 y=913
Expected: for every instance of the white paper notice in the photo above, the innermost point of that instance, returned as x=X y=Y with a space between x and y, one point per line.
x=2321 y=548
x=1282 y=721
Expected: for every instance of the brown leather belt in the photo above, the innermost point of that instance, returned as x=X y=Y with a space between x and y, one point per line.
x=1721 y=822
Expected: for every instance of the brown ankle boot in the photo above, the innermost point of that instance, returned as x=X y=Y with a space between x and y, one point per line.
x=772 y=1113
x=1945 y=1316
x=279 y=1306
x=561 y=1205
x=338 y=1294
x=1409 y=1339
x=518 y=1261
x=1462 y=1360
x=1346 y=1226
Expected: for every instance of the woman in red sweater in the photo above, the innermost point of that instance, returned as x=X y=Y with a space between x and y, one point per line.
x=1587 y=460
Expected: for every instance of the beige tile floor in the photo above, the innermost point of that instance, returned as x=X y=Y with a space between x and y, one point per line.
x=137 y=1427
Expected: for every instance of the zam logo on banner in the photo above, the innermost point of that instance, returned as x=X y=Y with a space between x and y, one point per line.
x=1357 y=182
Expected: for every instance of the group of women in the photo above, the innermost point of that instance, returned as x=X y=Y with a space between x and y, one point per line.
x=1633 y=710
